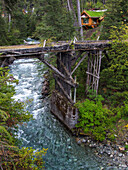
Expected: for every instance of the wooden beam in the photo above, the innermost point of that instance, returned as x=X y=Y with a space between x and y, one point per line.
x=66 y=70
x=67 y=81
x=20 y=55
x=79 y=63
x=93 y=75
x=100 y=56
x=74 y=59
x=75 y=92
x=41 y=58
x=64 y=92
x=2 y=65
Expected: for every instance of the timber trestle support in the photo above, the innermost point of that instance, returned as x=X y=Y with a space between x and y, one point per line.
x=69 y=56
x=64 y=96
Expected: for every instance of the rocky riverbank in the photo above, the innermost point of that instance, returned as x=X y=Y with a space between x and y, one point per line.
x=115 y=155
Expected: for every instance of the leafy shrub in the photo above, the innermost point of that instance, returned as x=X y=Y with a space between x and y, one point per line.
x=21 y=159
x=94 y=118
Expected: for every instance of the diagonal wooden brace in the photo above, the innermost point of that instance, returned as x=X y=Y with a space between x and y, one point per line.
x=64 y=92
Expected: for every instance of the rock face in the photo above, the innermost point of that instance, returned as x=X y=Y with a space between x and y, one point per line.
x=61 y=108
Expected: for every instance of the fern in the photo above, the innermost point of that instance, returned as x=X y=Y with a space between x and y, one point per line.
x=4 y=134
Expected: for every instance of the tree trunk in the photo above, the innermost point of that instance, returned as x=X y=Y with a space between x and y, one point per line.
x=79 y=19
x=71 y=9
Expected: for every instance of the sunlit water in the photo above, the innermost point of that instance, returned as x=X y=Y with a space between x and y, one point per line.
x=45 y=130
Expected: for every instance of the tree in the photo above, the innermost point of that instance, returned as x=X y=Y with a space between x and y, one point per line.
x=56 y=22
x=114 y=77
x=3 y=31
x=116 y=14
x=79 y=19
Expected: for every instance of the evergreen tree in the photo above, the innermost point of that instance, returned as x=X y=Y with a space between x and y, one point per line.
x=116 y=14
x=114 y=78
x=56 y=22
x=3 y=31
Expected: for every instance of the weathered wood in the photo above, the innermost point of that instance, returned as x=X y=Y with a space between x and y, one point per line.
x=64 y=110
x=94 y=63
x=67 y=81
x=87 y=80
x=67 y=72
x=20 y=55
x=41 y=58
x=100 y=56
x=78 y=46
x=92 y=75
x=78 y=64
x=75 y=92
x=3 y=62
x=74 y=59
x=63 y=90
x=64 y=59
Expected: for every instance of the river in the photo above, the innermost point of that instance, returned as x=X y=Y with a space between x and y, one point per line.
x=45 y=130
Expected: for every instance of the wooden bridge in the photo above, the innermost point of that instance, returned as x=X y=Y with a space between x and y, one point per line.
x=67 y=55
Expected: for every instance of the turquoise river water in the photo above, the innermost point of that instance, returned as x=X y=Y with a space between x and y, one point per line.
x=45 y=130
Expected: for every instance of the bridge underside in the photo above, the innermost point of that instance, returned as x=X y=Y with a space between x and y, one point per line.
x=68 y=58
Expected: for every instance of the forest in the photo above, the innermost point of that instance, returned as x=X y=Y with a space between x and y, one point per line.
x=103 y=116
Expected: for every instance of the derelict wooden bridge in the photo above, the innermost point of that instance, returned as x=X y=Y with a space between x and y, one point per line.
x=67 y=55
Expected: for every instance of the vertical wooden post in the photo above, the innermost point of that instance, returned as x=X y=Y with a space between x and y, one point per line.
x=65 y=58
x=99 y=65
x=87 y=81
x=75 y=91
x=93 y=70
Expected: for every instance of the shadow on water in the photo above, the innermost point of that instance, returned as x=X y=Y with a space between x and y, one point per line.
x=45 y=130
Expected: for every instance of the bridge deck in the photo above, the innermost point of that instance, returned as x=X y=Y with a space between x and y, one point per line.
x=22 y=50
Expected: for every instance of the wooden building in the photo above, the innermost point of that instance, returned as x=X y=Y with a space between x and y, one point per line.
x=91 y=19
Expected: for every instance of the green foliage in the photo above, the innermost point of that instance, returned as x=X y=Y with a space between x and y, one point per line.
x=56 y=23
x=20 y=25
x=29 y=159
x=116 y=15
x=98 y=119
x=22 y=159
x=94 y=118
x=14 y=109
x=114 y=78
x=126 y=147
x=121 y=111
x=11 y=113
x=5 y=135
x=3 y=31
